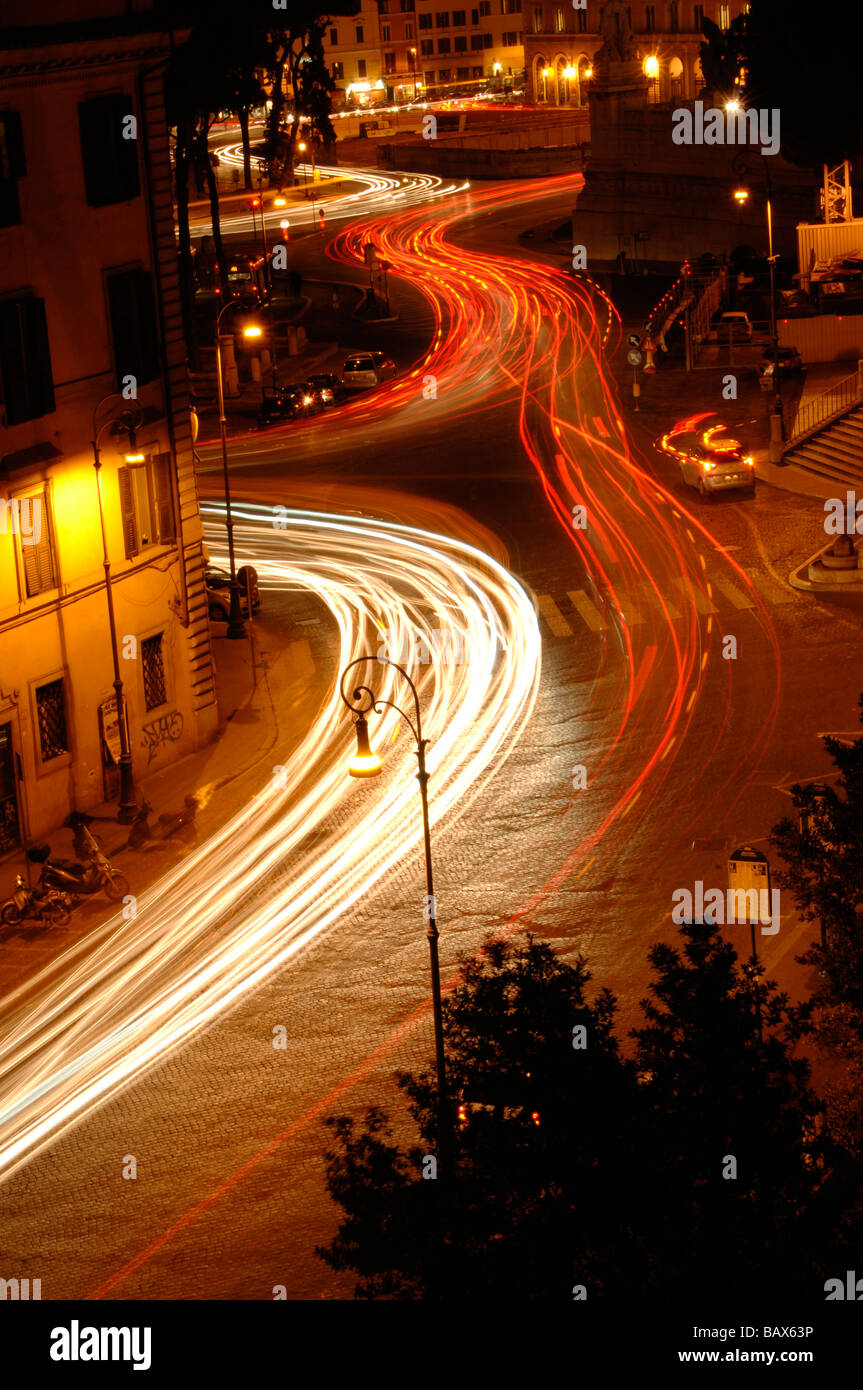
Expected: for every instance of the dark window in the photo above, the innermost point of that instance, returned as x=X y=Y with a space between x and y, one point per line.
x=460 y=43
x=443 y=46
x=110 y=160
x=426 y=47
x=650 y=19
x=338 y=70
x=487 y=40
x=474 y=16
x=476 y=41
x=361 y=67
x=147 y=505
x=459 y=18
x=360 y=34
x=385 y=33
x=537 y=19
x=673 y=21
x=441 y=19
x=443 y=75
x=510 y=6
x=153 y=671
x=25 y=360
x=133 y=325
x=334 y=36
x=485 y=7
x=476 y=72
x=424 y=21
x=38 y=559
x=581 y=21
x=389 y=62
x=461 y=74
x=51 y=718
x=12 y=167
x=699 y=18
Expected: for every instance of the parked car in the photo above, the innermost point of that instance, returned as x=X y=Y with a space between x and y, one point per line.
x=788 y=360
x=368 y=369
x=218 y=583
x=286 y=403
x=715 y=465
x=736 y=326
x=330 y=386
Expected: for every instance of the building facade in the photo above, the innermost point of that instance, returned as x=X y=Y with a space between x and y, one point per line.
x=92 y=350
x=458 y=48
x=561 y=43
x=352 y=51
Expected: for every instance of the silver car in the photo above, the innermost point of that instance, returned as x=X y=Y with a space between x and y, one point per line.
x=366 y=369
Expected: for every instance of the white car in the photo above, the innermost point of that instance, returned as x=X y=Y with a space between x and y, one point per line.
x=367 y=369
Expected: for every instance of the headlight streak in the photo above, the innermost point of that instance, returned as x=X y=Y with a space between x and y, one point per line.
x=297 y=857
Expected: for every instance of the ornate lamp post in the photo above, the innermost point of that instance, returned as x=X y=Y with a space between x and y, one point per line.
x=236 y=627
x=366 y=763
x=128 y=803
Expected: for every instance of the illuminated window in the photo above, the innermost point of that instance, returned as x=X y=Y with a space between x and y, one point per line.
x=37 y=555
x=51 y=719
x=146 y=505
x=537 y=19
x=724 y=16
x=559 y=21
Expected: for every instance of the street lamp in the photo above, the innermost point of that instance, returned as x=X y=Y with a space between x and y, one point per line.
x=127 y=808
x=569 y=74
x=236 y=626
x=413 y=58
x=366 y=763
x=302 y=149
x=546 y=74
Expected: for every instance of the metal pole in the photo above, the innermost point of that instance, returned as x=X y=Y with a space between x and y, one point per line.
x=128 y=804
x=236 y=628
x=432 y=934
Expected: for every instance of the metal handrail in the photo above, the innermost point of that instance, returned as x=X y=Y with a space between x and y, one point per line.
x=830 y=403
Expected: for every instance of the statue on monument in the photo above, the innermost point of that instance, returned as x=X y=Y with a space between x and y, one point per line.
x=617 y=60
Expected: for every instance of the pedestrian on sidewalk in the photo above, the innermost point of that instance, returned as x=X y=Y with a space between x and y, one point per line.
x=321 y=221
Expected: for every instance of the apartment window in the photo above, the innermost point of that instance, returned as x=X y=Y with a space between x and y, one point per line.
x=25 y=360
x=12 y=167
x=146 y=505
x=724 y=16
x=510 y=40
x=476 y=41
x=487 y=40
x=361 y=67
x=424 y=21
x=698 y=18
x=650 y=19
x=153 y=671
x=409 y=30
x=334 y=37
x=110 y=160
x=537 y=19
x=428 y=79
x=441 y=19
x=361 y=38
x=459 y=19
x=485 y=7
x=385 y=33
x=133 y=326
x=37 y=559
x=559 y=21
x=426 y=47
x=460 y=43
x=389 y=62
x=443 y=75
x=462 y=74
x=510 y=6
x=474 y=16
x=338 y=70
x=581 y=21
x=51 y=719
x=476 y=72
x=443 y=46
x=673 y=17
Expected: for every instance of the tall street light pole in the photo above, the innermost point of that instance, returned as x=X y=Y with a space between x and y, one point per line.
x=365 y=763
x=236 y=627
x=127 y=808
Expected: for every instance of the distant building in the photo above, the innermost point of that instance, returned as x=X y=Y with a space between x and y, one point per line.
x=90 y=333
x=400 y=51
x=461 y=48
x=352 y=52
x=561 y=43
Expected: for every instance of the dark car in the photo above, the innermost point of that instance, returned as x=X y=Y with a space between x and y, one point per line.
x=287 y=403
x=219 y=591
x=330 y=386
x=788 y=360
x=313 y=398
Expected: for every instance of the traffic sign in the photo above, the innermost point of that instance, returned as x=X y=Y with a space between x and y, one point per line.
x=634 y=340
x=633 y=357
x=647 y=323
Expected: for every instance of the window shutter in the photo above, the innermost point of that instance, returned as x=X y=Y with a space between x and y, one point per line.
x=164 y=499
x=38 y=559
x=25 y=360
x=127 y=513
x=110 y=162
x=133 y=325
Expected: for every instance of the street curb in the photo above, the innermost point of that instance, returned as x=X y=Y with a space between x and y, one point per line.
x=852 y=589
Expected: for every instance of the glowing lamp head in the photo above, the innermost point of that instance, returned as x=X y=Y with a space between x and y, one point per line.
x=546 y=72
x=651 y=66
x=364 y=763
x=588 y=72
x=741 y=195
x=134 y=458
x=252 y=330
x=302 y=147
x=280 y=202
x=732 y=105
x=569 y=74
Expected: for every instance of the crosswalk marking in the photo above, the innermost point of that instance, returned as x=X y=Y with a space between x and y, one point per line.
x=586 y=608
x=553 y=616
x=738 y=599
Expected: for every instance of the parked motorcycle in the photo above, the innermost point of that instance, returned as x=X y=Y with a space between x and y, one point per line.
x=94 y=874
x=46 y=906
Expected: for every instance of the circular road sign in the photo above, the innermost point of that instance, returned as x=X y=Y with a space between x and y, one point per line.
x=633 y=357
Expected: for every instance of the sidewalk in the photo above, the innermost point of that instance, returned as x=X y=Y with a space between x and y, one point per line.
x=269 y=688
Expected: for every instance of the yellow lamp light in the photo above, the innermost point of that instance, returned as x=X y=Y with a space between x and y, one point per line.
x=569 y=74
x=134 y=458
x=741 y=195
x=588 y=72
x=546 y=72
x=364 y=763
x=651 y=66
x=252 y=330
x=732 y=105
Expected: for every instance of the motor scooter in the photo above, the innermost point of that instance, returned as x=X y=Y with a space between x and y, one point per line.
x=47 y=905
x=94 y=874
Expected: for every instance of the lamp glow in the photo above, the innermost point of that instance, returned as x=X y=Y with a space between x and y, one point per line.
x=364 y=763
x=651 y=66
